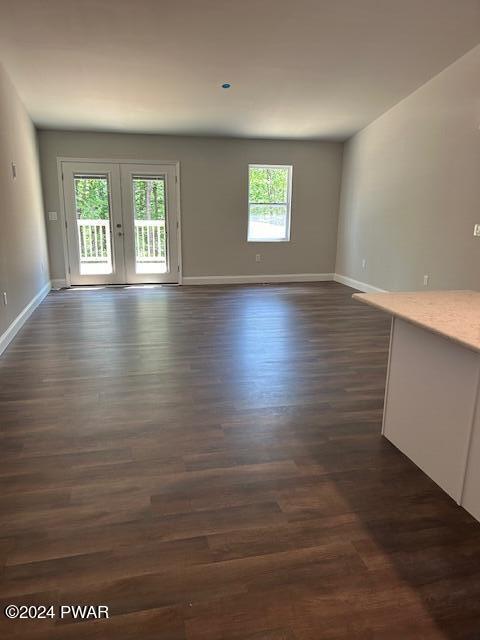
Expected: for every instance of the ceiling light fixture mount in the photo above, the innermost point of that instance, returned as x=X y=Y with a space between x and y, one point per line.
x=226 y=85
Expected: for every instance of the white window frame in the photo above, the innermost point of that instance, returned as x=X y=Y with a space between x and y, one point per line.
x=288 y=203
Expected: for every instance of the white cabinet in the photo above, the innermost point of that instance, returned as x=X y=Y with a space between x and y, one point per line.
x=432 y=403
x=432 y=384
x=431 y=409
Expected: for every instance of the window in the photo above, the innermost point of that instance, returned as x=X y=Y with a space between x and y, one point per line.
x=269 y=202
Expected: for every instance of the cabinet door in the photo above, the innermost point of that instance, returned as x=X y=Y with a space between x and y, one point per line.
x=429 y=402
x=471 y=491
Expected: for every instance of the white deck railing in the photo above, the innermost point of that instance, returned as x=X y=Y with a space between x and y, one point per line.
x=95 y=241
x=150 y=245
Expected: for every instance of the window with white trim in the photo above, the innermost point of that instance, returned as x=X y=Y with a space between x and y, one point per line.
x=269 y=202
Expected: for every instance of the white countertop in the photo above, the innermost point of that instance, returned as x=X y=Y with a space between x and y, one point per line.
x=453 y=314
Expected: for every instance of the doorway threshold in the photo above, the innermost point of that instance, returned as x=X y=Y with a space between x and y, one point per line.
x=95 y=287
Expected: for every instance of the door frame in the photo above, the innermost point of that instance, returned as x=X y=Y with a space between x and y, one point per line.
x=63 y=217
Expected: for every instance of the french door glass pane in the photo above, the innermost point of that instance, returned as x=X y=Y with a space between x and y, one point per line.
x=150 y=224
x=92 y=205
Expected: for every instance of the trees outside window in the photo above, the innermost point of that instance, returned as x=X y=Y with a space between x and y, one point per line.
x=269 y=202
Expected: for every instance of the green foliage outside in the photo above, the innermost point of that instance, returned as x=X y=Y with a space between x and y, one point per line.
x=91 y=198
x=149 y=197
x=92 y=201
x=268 y=185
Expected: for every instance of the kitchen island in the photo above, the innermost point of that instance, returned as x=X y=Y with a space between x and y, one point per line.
x=432 y=404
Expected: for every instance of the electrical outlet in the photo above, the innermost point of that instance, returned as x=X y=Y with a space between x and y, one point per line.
x=425 y=280
x=5 y=299
x=476 y=231
x=258 y=257
x=364 y=263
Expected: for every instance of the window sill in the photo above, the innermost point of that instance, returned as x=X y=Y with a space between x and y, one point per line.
x=263 y=240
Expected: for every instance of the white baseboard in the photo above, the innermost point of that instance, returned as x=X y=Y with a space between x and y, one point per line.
x=22 y=317
x=284 y=277
x=259 y=279
x=356 y=284
x=58 y=283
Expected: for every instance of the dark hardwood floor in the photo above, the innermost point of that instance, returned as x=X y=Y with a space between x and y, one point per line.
x=208 y=463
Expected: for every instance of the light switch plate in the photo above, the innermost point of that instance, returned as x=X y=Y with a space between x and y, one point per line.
x=52 y=216
x=476 y=230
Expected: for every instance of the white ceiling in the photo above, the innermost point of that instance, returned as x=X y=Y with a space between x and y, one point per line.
x=298 y=68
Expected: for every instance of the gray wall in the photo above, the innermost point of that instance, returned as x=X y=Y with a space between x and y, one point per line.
x=411 y=188
x=23 y=248
x=214 y=198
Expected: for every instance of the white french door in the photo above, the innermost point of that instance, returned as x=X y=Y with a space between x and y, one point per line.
x=150 y=222
x=121 y=221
